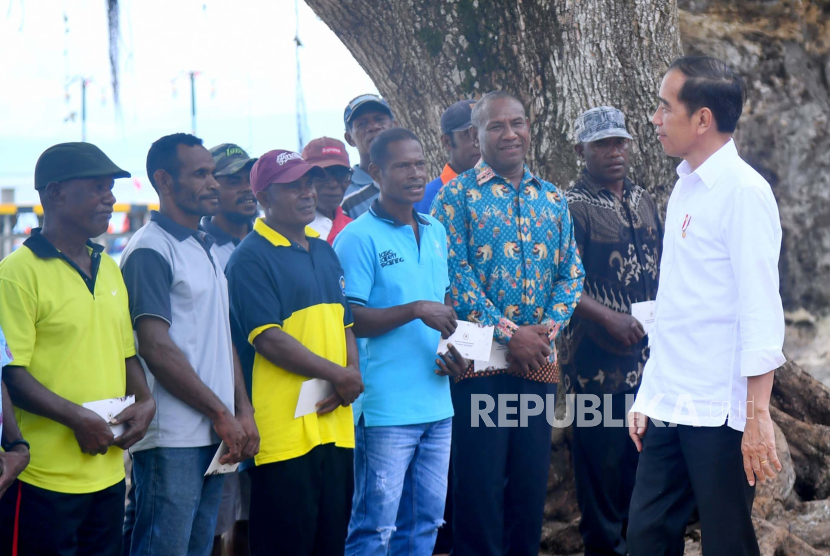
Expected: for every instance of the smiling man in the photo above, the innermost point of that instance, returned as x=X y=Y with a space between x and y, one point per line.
x=719 y=329
x=604 y=349
x=404 y=420
x=237 y=205
x=513 y=265
x=291 y=322
x=179 y=306
x=330 y=155
x=365 y=117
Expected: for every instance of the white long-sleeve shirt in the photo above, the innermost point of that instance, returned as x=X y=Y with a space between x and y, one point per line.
x=719 y=317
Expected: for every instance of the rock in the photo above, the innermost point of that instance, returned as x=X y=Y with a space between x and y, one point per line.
x=772 y=496
x=810 y=521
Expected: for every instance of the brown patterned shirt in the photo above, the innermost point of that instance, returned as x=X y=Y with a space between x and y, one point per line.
x=620 y=242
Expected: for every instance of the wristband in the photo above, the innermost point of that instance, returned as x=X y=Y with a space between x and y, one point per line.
x=8 y=447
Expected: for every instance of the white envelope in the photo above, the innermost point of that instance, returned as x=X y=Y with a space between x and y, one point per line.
x=473 y=341
x=109 y=409
x=216 y=468
x=645 y=312
x=497 y=360
x=312 y=392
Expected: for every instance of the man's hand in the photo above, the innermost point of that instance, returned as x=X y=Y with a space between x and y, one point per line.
x=230 y=430
x=637 y=424
x=93 y=434
x=625 y=329
x=11 y=465
x=758 y=448
x=136 y=418
x=529 y=347
x=248 y=423
x=437 y=316
x=330 y=404
x=349 y=384
x=451 y=363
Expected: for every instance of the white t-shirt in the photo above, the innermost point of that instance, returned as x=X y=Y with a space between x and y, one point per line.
x=322 y=225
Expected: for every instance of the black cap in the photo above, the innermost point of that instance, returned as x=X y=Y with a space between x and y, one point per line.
x=69 y=161
x=457 y=117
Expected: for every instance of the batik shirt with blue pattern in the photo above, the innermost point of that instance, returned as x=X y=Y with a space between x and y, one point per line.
x=512 y=256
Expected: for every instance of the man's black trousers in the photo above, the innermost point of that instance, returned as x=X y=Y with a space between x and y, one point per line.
x=500 y=474
x=605 y=463
x=683 y=466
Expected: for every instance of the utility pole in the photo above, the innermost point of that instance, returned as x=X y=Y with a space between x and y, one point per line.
x=192 y=77
x=84 y=82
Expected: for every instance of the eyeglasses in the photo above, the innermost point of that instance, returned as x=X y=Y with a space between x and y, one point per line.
x=342 y=177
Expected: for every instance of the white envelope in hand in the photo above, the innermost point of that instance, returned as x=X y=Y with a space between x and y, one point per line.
x=497 y=361
x=312 y=392
x=645 y=312
x=216 y=468
x=473 y=341
x=109 y=410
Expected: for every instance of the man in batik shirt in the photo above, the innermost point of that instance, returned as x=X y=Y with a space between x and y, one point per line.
x=513 y=264
x=604 y=348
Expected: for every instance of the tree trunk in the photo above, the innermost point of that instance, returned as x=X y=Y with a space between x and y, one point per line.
x=559 y=57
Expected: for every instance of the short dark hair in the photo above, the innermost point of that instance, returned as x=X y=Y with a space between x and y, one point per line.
x=163 y=154
x=379 y=150
x=713 y=84
x=481 y=105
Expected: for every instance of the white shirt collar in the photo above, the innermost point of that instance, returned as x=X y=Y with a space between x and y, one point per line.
x=713 y=167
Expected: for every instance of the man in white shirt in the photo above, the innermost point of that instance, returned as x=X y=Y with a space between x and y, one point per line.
x=701 y=418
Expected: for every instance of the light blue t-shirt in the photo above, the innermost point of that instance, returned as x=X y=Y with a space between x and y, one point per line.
x=5 y=359
x=385 y=267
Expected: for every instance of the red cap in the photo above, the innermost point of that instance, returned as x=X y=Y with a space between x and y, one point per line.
x=325 y=152
x=279 y=167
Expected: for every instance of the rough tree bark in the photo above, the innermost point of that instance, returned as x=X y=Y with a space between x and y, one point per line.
x=559 y=57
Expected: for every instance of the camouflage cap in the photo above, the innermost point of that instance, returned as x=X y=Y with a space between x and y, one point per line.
x=230 y=159
x=600 y=123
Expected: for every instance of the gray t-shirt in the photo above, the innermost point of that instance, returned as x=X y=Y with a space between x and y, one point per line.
x=173 y=273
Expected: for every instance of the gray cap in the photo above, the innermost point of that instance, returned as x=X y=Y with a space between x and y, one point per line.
x=600 y=123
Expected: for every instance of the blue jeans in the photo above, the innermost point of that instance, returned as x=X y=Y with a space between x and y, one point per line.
x=175 y=504
x=400 y=476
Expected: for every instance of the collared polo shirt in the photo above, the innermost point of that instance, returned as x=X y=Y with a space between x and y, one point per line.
x=360 y=194
x=225 y=243
x=278 y=284
x=433 y=187
x=72 y=333
x=386 y=267
x=173 y=273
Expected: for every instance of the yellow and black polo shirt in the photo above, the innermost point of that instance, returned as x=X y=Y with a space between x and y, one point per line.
x=72 y=332
x=274 y=283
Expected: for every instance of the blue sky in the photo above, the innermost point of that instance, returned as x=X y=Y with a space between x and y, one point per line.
x=245 y=92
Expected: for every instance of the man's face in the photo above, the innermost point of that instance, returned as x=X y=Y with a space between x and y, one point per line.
x=195 y=190
x=86 y=202
x=505 y=136
x=673 y=121
x=464 y=153
x=236 y=199
x=404 y=175
x=606 y=159
x=365 y=127
x=291 y=204
x=331 y=188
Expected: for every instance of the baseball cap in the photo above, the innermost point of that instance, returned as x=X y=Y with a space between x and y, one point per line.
x=364 y=100
x=280 y=166
x=230 y=159
x=600 y=123
x=69 y=161
x=325 y=152
x=457 y=117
